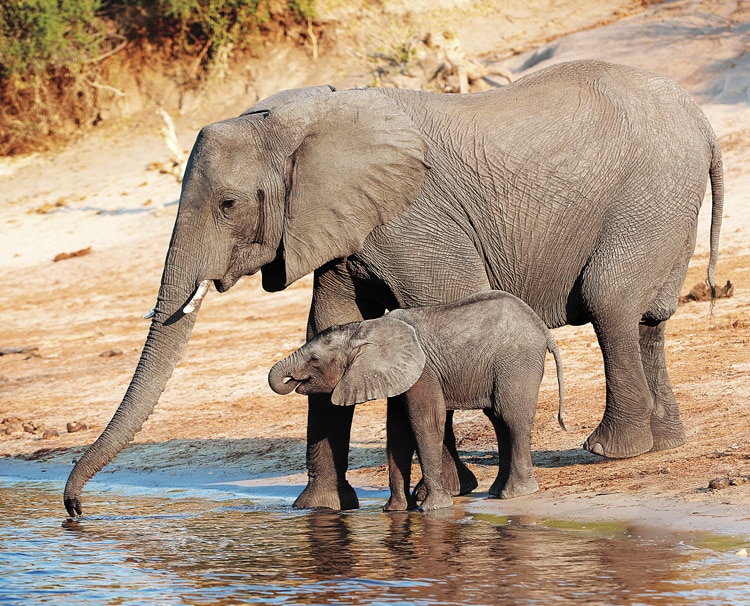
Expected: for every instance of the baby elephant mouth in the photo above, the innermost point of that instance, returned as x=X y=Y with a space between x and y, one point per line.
x=284 y=382
x=301 y=386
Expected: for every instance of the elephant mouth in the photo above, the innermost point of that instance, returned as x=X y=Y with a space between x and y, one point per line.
x=301 y=386
x=230 y=278
x=225 y=283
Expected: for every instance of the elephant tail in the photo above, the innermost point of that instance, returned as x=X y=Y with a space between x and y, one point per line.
x=716 y=173
x=555 y=351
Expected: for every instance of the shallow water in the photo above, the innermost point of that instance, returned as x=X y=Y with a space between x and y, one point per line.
x=180 y=547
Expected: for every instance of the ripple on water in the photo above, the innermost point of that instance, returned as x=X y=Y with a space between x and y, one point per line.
x=179 y=548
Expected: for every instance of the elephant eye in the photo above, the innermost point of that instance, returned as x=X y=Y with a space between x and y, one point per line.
x=227 y=204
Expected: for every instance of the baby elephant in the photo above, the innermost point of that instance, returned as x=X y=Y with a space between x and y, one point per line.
x=485 y=351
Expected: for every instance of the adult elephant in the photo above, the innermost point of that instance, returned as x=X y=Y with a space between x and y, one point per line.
x=577 y=189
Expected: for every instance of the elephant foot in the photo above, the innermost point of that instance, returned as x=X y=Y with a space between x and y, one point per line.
x=458 y=481
x=455 y=489
x=668 y=440
x=513 y=488
x=339 y=497
x=613 y=444
x=667 y=432
x=437 y=500
x=400 y=504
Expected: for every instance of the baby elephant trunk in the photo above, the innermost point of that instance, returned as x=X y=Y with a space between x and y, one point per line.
x=280 y=376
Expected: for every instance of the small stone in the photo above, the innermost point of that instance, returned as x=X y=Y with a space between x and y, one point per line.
x=49 y=434
x=11 y=425
x=718 y=483
x=742 y=553
x=75 y=426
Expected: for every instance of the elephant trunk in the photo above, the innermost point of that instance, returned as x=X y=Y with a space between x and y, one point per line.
x=170 y=331
x=280 y=377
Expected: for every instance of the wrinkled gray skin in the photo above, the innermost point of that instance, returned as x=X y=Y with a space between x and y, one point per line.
x=486 y=351
x=576 y=188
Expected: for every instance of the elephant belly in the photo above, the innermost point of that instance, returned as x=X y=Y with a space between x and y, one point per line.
x=465 y=385
x=467 y=405
x=421 y=258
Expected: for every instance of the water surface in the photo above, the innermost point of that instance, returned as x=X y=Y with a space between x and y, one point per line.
x=181 y=547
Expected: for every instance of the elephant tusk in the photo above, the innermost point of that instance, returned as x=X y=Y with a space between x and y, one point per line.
x=195 y=302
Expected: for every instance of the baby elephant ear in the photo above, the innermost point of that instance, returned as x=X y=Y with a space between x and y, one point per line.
x=386 y=360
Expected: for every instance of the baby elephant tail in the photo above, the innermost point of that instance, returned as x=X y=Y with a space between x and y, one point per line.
x=553 y=349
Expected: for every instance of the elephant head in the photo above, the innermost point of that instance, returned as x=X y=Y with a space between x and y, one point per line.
x=296 y=181
x=355 y=363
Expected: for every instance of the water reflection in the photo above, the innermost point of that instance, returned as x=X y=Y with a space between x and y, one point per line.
x=183 y=550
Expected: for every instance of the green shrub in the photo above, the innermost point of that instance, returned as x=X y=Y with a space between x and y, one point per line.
x=36 y=35
x=50 y=52
x=212 y=24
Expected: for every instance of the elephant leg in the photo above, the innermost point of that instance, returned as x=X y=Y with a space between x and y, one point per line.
x=641 y=413
x=426 y=409
x=400 y=450
x=625 y=428
x=515 y=471
x=457 y=478
x=328 y=433
x=666 y=424
x=334 y=301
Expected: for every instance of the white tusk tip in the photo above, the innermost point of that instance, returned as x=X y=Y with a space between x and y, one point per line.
x=195 y=302
x=149 y=314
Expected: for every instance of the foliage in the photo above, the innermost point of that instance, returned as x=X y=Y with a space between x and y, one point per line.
x=50 y=50
x=36 y=34
x=213 y=24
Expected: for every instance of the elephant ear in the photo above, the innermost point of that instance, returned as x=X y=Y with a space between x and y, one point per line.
x=287 y=96
x=386 y=361
x=358 y=161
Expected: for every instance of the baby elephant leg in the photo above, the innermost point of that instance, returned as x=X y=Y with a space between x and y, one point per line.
x=457 y=478
x=515 y=474
x=426 y=409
